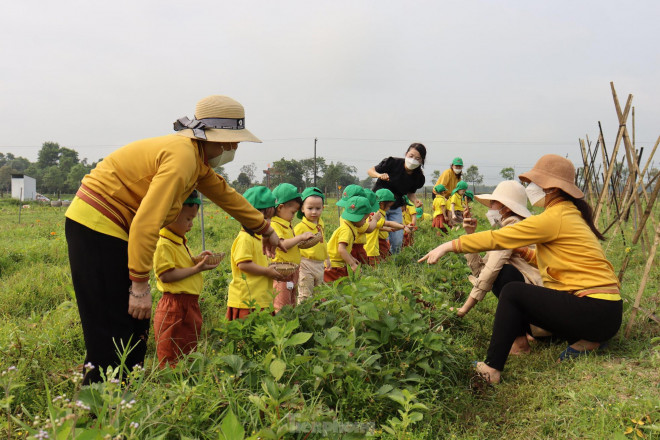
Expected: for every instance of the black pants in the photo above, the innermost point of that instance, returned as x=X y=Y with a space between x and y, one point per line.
x=99 y=270
x=565 y=315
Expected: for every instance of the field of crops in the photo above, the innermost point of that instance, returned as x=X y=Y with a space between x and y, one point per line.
x=380 y=356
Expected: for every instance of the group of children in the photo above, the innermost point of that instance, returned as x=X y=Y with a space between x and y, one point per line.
x=449 y=213
x=361 y=238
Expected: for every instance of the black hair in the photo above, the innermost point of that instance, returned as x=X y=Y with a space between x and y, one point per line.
x=586 y=211
x=297 y=199
x=193 y=195
x=421 y=149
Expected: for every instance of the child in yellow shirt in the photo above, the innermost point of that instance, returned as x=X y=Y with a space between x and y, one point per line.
x=410 y=220
x=312 y=260
x=289 y=201
x=251 y=285
x=355 y=214
x=378 y=247
x=455 y=203
x=178 y=319
x=440 y=216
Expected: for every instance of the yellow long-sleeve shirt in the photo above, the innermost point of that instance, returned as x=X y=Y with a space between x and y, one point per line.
x=568 y=254
x=141 y=187
x=449 y=180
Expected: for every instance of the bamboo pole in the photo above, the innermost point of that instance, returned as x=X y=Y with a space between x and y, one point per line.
x=610 y=169
x=642 y=285
x=586 y=172
x=647 y=213
x=604 y=154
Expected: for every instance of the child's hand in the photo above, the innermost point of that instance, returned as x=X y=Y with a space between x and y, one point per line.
x=272 y=273
x=469 y=224
x=355 y=265
x=203 y=265
x=306 y=235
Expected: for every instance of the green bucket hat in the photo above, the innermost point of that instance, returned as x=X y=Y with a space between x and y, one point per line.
x=308 y=192
x=260 y=197
x=385 y=195
x=373 y=199
x=286 y=192
x=457 y=161
x=460 y=185
x=420 y=211
x=407 y=201
x=356 y=208
x=350 y=191
x=439 y=188
x=193 y=199
x=470 y=195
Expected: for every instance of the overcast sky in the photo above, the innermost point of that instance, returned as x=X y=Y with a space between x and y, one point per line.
x=497 y=82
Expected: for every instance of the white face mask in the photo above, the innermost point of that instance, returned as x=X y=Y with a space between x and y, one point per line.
x=535 y=194
x=411 y=163
x=457 y=171
x=494 y=217
x=225 y=157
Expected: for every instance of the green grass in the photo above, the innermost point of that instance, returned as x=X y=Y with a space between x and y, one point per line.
x=234 y=374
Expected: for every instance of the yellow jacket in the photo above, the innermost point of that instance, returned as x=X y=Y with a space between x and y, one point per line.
x=141 y=187
x=449 y=180
x=568 y=254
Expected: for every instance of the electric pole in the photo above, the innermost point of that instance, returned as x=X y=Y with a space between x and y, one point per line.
x=315 y=139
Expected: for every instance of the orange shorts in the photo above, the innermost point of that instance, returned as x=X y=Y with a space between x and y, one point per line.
x=334 y=273
x=177 y=325
x=384 y=248
x=359 y=253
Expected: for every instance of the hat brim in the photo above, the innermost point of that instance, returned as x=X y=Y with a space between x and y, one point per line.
x=221 y=135
x=545 y=181
x=352 y=216
x=517 y=208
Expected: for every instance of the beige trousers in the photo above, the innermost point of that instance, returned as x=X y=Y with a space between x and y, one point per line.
x=311 y=275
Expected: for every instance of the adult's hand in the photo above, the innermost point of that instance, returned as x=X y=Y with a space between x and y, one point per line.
x=470 y=225
x=385 y=177
x=139 y=301
x=272 y=243
x=433 y=256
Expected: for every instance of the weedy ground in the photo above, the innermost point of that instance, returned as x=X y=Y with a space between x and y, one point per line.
x=381 y=356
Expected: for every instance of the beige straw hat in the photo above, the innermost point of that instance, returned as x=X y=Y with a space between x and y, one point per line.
x=217 y=119
x=509 y=193
x=552 y=171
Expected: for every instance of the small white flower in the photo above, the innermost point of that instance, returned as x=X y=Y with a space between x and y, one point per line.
x=89 y=366
x=134 y=425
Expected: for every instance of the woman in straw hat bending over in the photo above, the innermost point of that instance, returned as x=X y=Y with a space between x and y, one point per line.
x=579 y=299
x=507 y=206
x=113 y=222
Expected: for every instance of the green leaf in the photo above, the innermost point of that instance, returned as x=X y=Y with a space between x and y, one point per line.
x=416 y=417
x=277 y=368
x=298 y=339
x=231 y=428
x=370 y=310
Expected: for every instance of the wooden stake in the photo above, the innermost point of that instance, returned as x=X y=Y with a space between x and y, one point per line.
x=642 y=285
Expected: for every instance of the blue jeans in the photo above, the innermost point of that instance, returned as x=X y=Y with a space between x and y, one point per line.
x=396 y=237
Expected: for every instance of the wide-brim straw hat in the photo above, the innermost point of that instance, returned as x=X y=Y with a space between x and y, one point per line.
x=509 y=193
x=553 y=171
x=218 y=118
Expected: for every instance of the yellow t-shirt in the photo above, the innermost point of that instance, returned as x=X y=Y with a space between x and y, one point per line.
x=345 y=233
x=362 y=233
x=568 y=254
x=438 y=203
x=81 y=212
x=457 y=200
x=244 y=287
x=285 y=230
x=372 y=238
x=408 y=213
x=425 y=217
x=172 y=253
x=320 y=250
x=449 y=179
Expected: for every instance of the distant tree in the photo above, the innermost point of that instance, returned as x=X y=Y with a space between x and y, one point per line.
x=250 y=172
x=289 y=171
x=242 y=183
x=308 y=170
x=49 y=155
x=53 y=180
x=68 y=158
x=436 y=175
x=508 y=173
x=221 y=171
x=5 y=177
x=76 y=173
x=472 y=175
x=338 y=174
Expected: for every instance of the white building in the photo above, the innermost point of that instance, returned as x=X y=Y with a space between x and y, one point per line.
x=23 y=187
